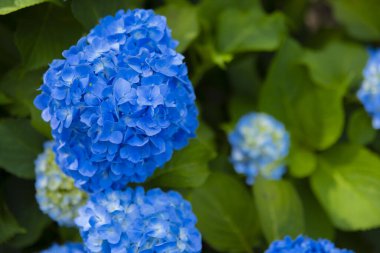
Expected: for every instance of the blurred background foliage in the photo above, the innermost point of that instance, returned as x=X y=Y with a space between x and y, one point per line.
x=298 y=60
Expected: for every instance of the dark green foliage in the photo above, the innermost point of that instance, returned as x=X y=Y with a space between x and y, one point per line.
x=300 y=61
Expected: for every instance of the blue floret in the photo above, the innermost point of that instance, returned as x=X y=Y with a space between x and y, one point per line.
x=304 y=244
x=120 y=102
x=259 y=145
x=369 y=92
x=138 y=221
x=66 y=248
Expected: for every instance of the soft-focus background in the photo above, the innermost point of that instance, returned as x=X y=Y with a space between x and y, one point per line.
x=298 y=60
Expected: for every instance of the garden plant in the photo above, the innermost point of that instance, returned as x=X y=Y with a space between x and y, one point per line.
x=169 y=126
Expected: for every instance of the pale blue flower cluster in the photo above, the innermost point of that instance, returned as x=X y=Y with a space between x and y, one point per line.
x=138 y=221
x=259 y=144
x=369 y=92
x=55 y=192
x=120 y=102
x=304 y=244
x=66 y=248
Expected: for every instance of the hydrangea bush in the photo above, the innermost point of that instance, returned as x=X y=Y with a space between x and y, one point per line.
x=110 y=84
x=259 y=145
x=120 y=102
x=55 y=192
x=138 y=221
x=303 y=244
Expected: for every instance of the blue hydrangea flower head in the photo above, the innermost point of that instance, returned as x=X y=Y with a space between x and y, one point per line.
x=259 y=145
x=369 y=92
x=138 y=221
x=66 y=248
x=55 y=192
x=304 y=244
x=120 y=102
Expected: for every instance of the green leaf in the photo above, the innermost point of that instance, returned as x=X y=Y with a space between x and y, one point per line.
x=19 y=146
x=280 y=209
x=302 y=161
x=20 y=196
x=188 y=168
x=8 y=50
x=182 y=19
x=89 y=12
x=4 y=99
x=238 y=107
x=360 y=18
x=226 y=214
x=9 y=226
x=210 y=9
x=43 y=37
x=242 y=30
x=347 y=185
x=21 y=88
x=290 y=96
x=337 y=65
x=8 y=6
x=360 y=130
x=317 y=222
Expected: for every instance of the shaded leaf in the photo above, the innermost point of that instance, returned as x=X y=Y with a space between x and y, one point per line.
x=226 y=214
x=360 y=130
x=188 y=167
x=241 y=30
x=317 y=222
x=280 y=209
x=9 y=226
x=182 y=19
x=20 y=196
x=211 y=9
x=19 y=146
x=43 y=37
x=360 y=18
x=89 y=12
x=347 y=185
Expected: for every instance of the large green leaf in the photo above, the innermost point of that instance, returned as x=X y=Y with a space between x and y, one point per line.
x=347 y=185
x=210 y=9
x=337 y=65
x=9 y=226
x=20 y=196
x=19 y=146
x=44 y=36
x=88 y=12
x=317 y=222
x=360 y=130
x=302 y=161
x=280 y=209
x=8 y=6
x=21 y=88
x=188 y=167
x=290 y=96
x=226 y=214
x=253 y=30
x=8 y=50
x=182 y=19
x=360 y=18
x=4 y=99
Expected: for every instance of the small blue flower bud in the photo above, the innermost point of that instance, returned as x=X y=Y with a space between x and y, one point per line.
x=259 y=146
